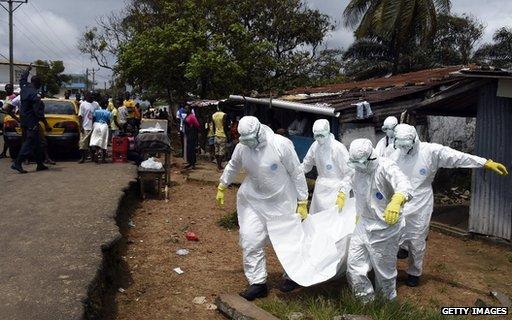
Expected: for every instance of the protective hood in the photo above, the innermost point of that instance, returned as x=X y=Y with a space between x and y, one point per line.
x=362 y=156
x=322 y=131
x=389 y=125
x=404 y=132
x=253 y=134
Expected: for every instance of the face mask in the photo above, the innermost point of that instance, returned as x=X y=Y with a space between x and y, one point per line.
x=390 y=131
x=359 y=165
x=321 y=138
x=404 y=144
x=250 y=142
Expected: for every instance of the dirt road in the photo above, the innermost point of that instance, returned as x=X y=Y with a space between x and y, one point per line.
x=52 y=227
x=457 y=272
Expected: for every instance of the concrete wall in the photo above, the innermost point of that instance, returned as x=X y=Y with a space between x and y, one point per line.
x=455 y=132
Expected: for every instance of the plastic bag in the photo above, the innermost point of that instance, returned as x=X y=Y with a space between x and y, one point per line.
x=151 y=163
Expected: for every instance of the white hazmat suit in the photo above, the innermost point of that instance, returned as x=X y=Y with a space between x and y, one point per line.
x=374 y=244
x=273 y=184
x=385 y=147
x=419 y=163
x=330 y=158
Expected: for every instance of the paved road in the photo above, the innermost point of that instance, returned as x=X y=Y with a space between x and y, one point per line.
x=52 y=225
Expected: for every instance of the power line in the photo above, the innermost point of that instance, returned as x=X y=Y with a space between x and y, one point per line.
x=38 y=11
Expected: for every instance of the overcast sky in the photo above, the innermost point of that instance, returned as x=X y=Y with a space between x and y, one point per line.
x=49 y=29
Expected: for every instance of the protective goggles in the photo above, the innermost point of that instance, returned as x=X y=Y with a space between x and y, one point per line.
x=359 y=163
x=404 y=143
x=386 y=128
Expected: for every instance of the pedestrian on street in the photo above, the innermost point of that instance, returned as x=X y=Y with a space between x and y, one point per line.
x=181 y=114
x=85 y=118
x=191 y=132
x=9 y=109
x=219 y=128
x=122 y=115
x=100 y=131
x=31 y=112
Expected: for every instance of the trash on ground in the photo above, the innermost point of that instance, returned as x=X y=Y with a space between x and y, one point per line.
x=211 y=306
x=178 y=270
x=121 y=290
x=295 y=316
x=182 y=252
x=131 y=224
x=199 y=300
x=191 y=236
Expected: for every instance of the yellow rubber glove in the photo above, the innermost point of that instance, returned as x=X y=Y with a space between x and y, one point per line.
x=392 y=212
x=496 y=167
x=302 y=209
x=340 y=200
x=221 y=189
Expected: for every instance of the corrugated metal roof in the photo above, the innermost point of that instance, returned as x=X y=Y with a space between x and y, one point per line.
x=418 y=78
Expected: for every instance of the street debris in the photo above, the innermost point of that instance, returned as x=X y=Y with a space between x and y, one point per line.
x=182 y=252
x=199 y=300
x=131 y=224
x=211 y=306
x=121 y=290
x=178 y=270
x=191 y=236
x=296 y=316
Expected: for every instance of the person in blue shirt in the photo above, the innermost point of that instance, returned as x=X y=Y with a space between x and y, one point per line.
x=100 y=131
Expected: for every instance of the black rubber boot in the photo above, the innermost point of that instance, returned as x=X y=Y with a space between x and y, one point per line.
x=17 y=167
x=412 y=281
x=41 y=167
x=402 y=254
x=288 y=285
x=255 y=291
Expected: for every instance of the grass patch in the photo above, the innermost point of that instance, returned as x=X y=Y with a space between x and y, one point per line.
x=229 y=221
x=328 y=304
x=509 y=257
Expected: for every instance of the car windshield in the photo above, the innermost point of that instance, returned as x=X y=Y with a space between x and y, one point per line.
x=59 y=107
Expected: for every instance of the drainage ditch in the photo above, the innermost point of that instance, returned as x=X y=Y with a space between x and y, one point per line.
x=113 y=272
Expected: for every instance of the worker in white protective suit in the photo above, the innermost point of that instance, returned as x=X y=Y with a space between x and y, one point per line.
x=419 y=161
x=381 y=190
x=384 y=147
x=275 y=185
x=334 y=176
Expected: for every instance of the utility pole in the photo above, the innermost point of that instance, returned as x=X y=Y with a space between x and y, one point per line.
x=10 y=10
x=94 y=77
x=87 y=79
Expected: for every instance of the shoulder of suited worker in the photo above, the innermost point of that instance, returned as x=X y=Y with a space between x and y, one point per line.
x=386 y=164
x=282 y=142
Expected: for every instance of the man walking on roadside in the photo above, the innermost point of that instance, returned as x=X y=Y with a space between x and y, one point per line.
x=219 y=128
x=31 y=112
x=85 y=117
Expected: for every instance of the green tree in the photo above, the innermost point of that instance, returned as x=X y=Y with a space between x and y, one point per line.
x=455 y=40
x=399 y=24
x=211 y=48
x=499 y=53
x=51 y=75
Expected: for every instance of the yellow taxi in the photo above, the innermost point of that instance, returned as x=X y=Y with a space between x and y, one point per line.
x=62 y=116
